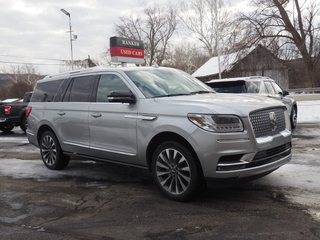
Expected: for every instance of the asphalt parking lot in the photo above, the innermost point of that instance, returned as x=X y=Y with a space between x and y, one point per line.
x=92 y=200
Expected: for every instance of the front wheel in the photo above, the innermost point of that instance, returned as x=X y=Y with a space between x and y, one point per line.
x=175 y=171
x=51 y=152
x=293 y=117
x=6 y=127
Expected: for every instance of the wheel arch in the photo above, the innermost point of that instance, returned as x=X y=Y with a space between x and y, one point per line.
x=42 y=129
x=296 y=107
x=170 y=136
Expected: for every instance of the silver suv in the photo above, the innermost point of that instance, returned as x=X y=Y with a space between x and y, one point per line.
x=263 y=86
x=159 y=119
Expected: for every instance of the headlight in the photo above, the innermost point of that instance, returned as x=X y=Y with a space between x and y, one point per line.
x=217 y=123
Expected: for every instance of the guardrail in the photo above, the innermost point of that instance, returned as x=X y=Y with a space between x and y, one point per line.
x=305 y=90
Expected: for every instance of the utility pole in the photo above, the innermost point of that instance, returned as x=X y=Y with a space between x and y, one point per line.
x=217 y=35
x=68 y=14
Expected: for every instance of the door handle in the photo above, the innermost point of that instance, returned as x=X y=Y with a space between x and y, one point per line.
x=61 y=113
x=96 y=115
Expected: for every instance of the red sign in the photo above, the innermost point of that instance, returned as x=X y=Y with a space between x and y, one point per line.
x=127 y=52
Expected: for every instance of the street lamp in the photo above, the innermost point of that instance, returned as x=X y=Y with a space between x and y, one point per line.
x=68 y=14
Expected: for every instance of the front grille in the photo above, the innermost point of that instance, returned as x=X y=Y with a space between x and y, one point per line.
x=261 y=158
x=262 y=122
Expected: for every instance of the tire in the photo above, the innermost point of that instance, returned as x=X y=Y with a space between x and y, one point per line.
x=6 y=127
x=293 y=117
x=51 y=152
x=24 y=124
x=175 y=171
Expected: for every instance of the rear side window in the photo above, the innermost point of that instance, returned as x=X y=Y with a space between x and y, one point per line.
x=45 y=91
x=79 y=89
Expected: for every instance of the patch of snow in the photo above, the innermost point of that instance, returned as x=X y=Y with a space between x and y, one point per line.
x=308 y=111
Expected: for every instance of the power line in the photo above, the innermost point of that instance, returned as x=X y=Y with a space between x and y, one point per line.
x=5 y=55
x=57 y=64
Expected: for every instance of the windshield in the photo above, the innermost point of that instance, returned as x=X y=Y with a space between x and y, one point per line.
x=166 y=82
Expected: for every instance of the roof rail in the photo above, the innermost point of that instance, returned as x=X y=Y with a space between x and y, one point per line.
x=83 y=70
x=258 y=77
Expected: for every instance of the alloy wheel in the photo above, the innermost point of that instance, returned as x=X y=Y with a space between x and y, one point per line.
x=49 y=150
x=173 y=171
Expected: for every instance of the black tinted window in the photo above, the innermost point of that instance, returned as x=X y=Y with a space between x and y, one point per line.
x=45 y=91
x=229 y=86
x=79 y=90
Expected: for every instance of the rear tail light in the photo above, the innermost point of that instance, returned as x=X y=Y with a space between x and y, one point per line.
x=28 y=110
x=7 y=109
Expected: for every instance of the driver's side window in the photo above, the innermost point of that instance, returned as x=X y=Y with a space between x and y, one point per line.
x=277 y=88
x=269 y=87
x=107 y=84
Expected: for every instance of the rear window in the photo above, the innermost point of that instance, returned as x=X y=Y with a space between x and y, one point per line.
x=229 y=87
x=45 y=91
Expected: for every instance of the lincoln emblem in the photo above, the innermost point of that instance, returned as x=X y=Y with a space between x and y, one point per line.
x=273 y=120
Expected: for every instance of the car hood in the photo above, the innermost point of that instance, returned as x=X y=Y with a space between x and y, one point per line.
x=219 y=103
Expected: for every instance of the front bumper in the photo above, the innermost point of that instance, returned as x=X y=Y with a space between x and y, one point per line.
x=4 y=120
x=232 y=157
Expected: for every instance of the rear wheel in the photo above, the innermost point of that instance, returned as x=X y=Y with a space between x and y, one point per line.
x=175 y=171
x=51 y=152
x=6 y=127
x=24 y=124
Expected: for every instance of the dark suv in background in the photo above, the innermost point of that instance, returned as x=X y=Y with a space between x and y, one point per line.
x=262 y=85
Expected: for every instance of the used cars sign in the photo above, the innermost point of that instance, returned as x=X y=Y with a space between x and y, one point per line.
x=126 y=50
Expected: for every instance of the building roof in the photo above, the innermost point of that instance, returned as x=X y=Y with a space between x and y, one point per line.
x=228 y=62
x=211 y=66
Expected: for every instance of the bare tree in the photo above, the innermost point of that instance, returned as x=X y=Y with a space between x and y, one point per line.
x=105 y=59
x=186 y=57
x=155 y=28
x=18 y=89
x=22 y=79
x=4 y=93
x=23 y=73
x=290 y=23
x=78 y=64
x=199 y=17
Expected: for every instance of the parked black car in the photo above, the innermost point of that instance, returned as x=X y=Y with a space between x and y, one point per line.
x=14 y=114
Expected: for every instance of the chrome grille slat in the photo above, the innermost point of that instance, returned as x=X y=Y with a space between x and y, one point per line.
x=261 y=122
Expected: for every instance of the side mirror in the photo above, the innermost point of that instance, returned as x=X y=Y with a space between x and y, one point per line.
x=121 y=96
x=285 y=93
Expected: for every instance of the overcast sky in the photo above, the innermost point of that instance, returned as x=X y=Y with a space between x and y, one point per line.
x=34 y=31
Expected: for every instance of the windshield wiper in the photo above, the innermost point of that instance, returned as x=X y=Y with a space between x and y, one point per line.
x=172 y=95
x=200 y=92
